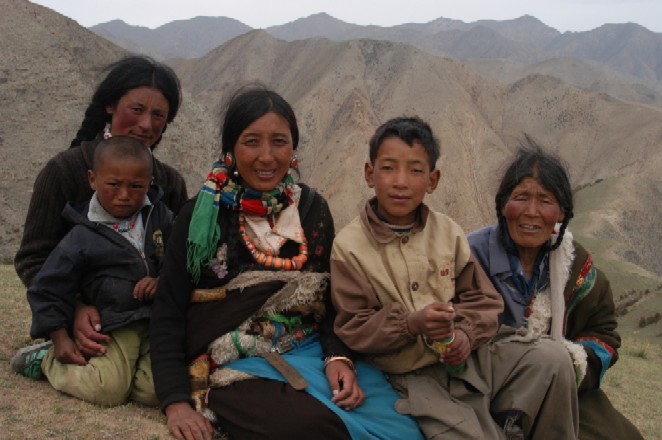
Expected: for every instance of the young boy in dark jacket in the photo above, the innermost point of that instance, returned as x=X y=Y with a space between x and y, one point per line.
x=109 y=259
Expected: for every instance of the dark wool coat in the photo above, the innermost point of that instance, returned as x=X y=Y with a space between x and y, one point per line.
x=590 y=320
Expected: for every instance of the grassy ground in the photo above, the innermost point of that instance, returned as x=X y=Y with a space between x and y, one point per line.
x=30 y=409
x=34 y=410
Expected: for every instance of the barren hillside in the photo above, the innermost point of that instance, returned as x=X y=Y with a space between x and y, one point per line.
x=341 y=91
x=344 y=89
x=50 y=66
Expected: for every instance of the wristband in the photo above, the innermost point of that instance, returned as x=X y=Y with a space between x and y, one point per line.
x=344 y=359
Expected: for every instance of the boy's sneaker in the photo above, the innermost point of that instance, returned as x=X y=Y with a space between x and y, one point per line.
x=27 y=361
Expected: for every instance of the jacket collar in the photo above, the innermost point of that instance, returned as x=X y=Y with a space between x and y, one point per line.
x=380 y=231
x=498 y=258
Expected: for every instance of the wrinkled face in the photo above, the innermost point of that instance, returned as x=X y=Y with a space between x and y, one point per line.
x=263 y=152
x=531 y=213
x=401 y=177
x=141 y=113
x=121 y=184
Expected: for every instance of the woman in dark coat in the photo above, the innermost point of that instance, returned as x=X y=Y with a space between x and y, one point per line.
x=549 y=282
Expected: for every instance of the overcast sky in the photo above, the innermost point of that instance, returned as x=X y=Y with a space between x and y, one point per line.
x=563 y=15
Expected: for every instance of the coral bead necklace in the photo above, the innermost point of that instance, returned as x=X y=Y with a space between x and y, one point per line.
x=294 y=263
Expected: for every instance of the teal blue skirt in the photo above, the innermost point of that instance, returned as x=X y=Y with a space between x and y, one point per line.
x=374 y=419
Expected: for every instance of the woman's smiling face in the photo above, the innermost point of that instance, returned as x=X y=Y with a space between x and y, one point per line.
x=263 y=152
x=531 y=213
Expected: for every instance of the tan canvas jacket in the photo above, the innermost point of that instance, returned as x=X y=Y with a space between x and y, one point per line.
x=379 y=277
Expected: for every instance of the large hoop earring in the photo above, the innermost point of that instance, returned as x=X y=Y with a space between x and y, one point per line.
x=228 y=158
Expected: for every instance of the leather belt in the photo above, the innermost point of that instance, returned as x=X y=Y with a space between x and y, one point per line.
x=290 y=373
x=205 y=295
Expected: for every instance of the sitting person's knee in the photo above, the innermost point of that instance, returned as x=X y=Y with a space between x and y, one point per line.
x=555 y=358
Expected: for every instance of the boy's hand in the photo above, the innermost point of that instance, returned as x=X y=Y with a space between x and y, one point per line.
x=458 y=351
x=87 y=324
x=435 y=321
x=145 y=289
x=344 y=385
x=65 y=348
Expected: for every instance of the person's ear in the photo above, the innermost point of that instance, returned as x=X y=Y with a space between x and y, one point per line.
x=92 y=180
x=435 y=175
x=368 y=172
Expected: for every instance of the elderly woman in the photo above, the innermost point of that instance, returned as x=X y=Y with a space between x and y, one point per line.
x=242 y=301
x=549 y=283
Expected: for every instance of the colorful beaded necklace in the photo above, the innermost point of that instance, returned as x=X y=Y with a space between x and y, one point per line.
x=204 y=232
x=255 y=202
x=294 y=263
x=124 y=225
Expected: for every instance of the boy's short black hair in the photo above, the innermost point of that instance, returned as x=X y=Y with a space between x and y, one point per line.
x=409 y=129
x=121 y=147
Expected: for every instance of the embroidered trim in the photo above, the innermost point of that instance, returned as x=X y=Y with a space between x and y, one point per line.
x=602 y=350
x=583 y=285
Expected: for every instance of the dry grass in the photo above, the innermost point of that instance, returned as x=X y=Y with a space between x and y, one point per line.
x=31 y=409
x=634 y=385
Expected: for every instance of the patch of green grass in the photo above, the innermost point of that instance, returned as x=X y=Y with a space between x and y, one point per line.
x=641 y=352
x=634 y=385
x=591 y=204
x=595 y=197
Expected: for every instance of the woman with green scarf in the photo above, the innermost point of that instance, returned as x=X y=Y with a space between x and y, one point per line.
x=241 y=332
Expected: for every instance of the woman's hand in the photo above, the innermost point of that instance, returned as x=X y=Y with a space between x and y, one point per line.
x=65 y=349
x=458 y=351
x=87 y=324
x=344 y=385
x=145 y=289
x=187 y=424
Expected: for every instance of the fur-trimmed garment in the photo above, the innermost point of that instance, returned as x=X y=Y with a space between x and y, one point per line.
x=578 y=308
x=301 y=294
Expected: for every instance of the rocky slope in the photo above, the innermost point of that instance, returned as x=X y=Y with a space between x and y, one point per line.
x=341 y=91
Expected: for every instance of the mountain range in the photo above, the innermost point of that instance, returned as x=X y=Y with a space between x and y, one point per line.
x=622 y=53
x=480 y=107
